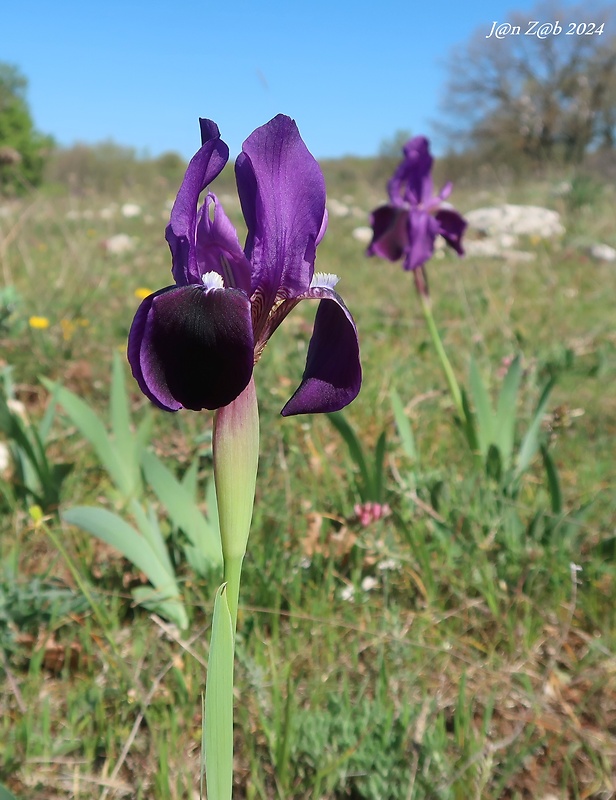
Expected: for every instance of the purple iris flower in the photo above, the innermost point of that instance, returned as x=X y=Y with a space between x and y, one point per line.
x=409 y=225
x=194 y=344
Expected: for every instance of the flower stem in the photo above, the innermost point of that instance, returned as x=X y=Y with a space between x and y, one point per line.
x=426 y=307
x=236 y=456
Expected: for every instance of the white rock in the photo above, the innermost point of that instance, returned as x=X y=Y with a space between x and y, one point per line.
x=119 y=244
x=516 y=221
x=108 y=212
x=337 y=209
x=363 y=234
x=603 y=252
x=493 y=247
x=130 y=210
x=5 y=458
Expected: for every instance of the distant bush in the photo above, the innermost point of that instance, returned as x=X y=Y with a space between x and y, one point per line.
x=108 y=168
x=22 y=149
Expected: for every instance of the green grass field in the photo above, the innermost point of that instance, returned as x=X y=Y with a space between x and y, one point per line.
x=452 y=649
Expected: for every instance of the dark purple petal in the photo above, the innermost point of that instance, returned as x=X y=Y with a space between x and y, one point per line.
x=203 y=168
x=423 y=229
x=162 y=398
x=193 y=347
x=412 y=181
x=332 y=377
x=451 y=227
x=282 y=192
x=218 y=248
x=389 y=232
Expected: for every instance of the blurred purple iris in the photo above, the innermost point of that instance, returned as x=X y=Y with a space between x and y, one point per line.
x=194 y=344
x=409 y=225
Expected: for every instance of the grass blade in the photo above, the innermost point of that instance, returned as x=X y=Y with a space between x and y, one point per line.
x=405 y=431
x=379 y=459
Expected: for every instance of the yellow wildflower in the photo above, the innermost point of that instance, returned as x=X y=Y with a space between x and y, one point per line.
x=68 y=329
x=141 y=293
x=39 y=323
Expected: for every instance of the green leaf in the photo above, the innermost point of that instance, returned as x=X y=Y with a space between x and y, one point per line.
x=356 y=452
x=504 y=433
x=556 y=499
x=469 y=424
x=119 y=411
x=170 y=608
x=379 y=459
x=5 y=794
x=483 y=410
x=114 y=530
x=190 y=479
x=147 y=523
x=44 y=426
x=91 y=427
x=405 y=431
x=530 y=443
x=219 y=703
x=182 y=509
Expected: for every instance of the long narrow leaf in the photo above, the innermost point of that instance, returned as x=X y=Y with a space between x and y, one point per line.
x=190 y=479
x=504 y=433
x=114 y=530
x=5 y=794
x=44 y=426
x=155 y=600
x=119 y=411
x=405 y=431
x=148 y=526
x=92 y=428
x=530 y=443
x=355 y=450
x=469 y=424
x=556 y=498
x=219 y=703
x=182 y=508
x=483 y=410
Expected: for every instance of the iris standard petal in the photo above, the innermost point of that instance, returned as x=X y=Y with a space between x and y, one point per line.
x=332 y=377
x=218 y=248
x=451 y=227
x=193 y=347
x=412 y=181
x=282 y=192
x=389 y=232
x=205 y=165
x=419 y=168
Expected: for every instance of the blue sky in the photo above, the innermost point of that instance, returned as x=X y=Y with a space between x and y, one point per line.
x=141 y=73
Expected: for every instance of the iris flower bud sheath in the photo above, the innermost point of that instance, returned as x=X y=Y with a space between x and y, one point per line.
x=236 y=455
